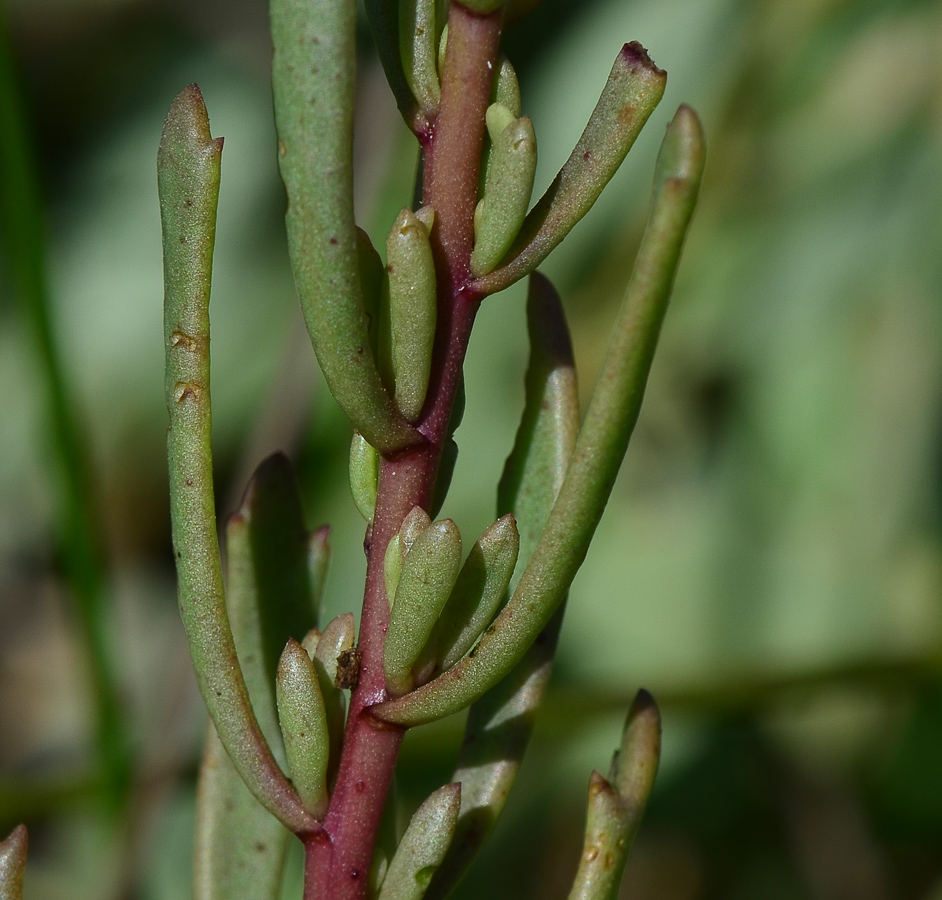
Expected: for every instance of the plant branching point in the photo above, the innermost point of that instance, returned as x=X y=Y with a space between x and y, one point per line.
x=311 y=717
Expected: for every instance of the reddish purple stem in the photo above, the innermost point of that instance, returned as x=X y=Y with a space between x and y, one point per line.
x=339 y=858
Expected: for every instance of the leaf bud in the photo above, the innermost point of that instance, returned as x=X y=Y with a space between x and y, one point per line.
x=429 y=571
x=364 y=475
x=412 y=311
x=303 y=721
x=502 y=210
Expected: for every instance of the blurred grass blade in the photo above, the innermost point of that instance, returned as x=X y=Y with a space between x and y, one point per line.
x=313 y=81
x=599 y=450
x=275 y=577
x=80 y=536
x=13 y=864
x=633 y=90
x=423 y=846
x=500 y=723
x=616 y=809
x=239 y=846
x=188 y=184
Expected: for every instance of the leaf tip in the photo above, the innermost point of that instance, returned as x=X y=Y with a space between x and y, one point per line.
x=635 y=57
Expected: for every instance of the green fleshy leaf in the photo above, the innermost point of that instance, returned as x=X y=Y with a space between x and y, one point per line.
x=601 y=446
x=364 y=475
x=429 y=570
x=188 y=184
x=478 y=592
x=415 y=524
x=275 y=580
x=423 y=846
x=507 y=88
x=313 y=82
x=418 y=39
x=338 y=637
x=507 y=190
x=239 y=845
x=387 y=840
x=616 y=807
x=484 y=7
x=500 y=723
x=383 y=17
x=633 y=90
x=303 y=719
x=412 y=311
x=318 y=561
x=13 y=864
x=372 y=274
x=271 y=592
x=392 y=567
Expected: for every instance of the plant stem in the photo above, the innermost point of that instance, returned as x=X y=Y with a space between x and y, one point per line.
x=338 y=862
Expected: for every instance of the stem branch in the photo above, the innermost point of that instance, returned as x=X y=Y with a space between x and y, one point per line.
x=338 y=862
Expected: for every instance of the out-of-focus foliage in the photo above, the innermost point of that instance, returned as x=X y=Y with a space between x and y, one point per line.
x=770 y=566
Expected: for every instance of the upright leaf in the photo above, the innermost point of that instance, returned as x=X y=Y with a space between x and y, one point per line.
x=617 y=806
x=303 y=719
x=238 y=845
x=428 y=575
x=313 y=81
x=423 y=846
x=188 y=183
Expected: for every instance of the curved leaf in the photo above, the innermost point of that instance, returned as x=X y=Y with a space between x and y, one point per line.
x=188 y=183
x=313 y=82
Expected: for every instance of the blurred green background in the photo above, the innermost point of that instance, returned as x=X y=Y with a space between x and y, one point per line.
x=770 y=565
